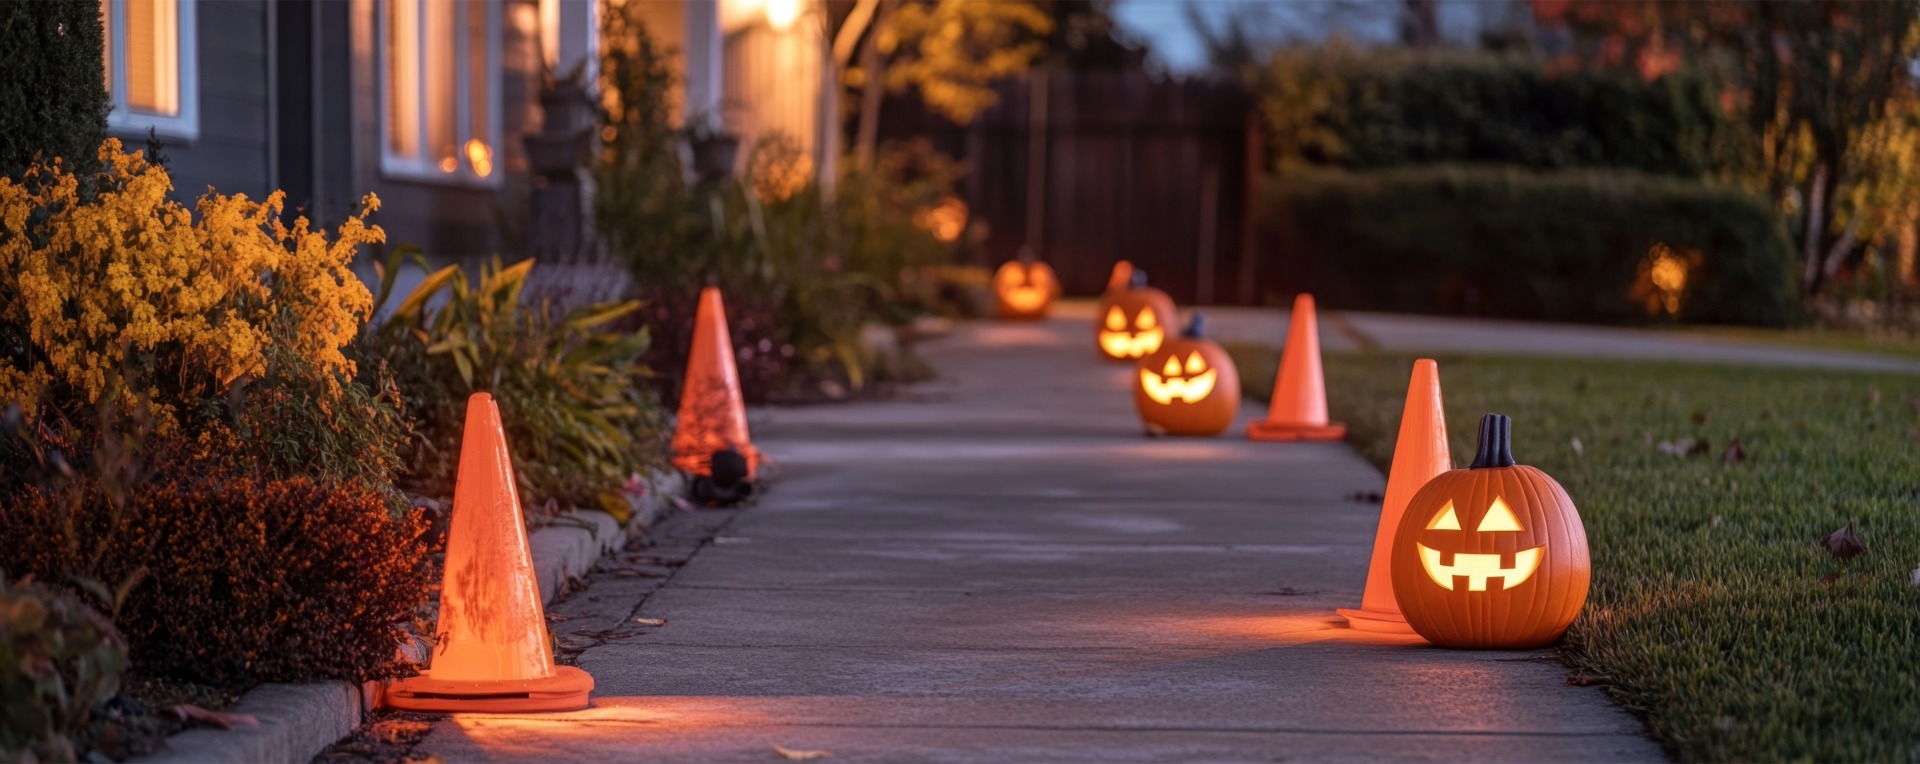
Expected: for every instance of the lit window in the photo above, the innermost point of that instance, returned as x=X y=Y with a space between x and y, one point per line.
x=150 y=66
x=439 y=60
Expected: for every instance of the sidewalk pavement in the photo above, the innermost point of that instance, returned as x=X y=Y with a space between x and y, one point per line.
x=1353 y=330
x=999 y=567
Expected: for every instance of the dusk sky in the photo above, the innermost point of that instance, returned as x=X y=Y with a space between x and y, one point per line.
x=1165 y=26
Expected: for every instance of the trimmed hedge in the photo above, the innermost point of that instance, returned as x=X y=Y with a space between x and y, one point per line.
x=1503 y=242
x=1358 y=111
x=53 y=99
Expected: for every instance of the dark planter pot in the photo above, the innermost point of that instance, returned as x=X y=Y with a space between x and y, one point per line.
x=714 y=155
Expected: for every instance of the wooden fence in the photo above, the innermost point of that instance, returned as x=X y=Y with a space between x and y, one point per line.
x=1091 y=167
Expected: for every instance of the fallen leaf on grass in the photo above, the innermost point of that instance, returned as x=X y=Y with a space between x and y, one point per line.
x=1699 y=417
x=1734 y=454
x=796 y=755
x=1916 y=577
x=1578 y=448
x=1584 y=679
x=194 y=714
x=1873 y=395
x=1842 y=544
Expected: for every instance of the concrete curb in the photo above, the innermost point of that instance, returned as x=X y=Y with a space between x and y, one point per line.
x=298 y=721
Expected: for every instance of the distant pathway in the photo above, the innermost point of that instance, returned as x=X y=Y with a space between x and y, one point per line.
x=1349 y=330
x=1000 y=568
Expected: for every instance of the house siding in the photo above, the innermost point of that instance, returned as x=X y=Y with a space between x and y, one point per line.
x=449 y=222
x=231 y=152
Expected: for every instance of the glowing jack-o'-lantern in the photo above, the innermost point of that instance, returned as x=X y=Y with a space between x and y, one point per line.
x=1187 y=387
x=1130 y=323
x=1491 y=556
x=1024 y=289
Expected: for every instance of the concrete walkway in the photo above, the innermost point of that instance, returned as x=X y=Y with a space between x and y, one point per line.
x=1001 y=568
x=1353 y=330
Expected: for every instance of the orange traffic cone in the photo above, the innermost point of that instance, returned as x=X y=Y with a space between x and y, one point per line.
x=1299 y=407
x=1121 y=276
x=492 y=652
x=1418 y=455
x=712 y=416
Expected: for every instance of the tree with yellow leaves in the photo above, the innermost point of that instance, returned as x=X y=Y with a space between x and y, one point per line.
x=950 y=51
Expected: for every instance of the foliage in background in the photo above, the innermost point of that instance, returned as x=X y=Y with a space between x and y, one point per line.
x=53 y=101
x=1587 y=246
x=59 y=661
x=1704 y=490
x=1359 y=110
x=950 y=52
x=881 y=221
x=196 y=314
x=799 y=278
x=570 y=387
x=1825 y=89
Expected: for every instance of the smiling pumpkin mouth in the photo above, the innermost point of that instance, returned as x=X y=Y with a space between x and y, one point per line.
x=1478 y=568
x=1164 y=390
x=1123 y=345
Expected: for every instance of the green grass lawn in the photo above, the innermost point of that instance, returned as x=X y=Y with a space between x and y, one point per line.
x=1709 y=613
x=1889 y=343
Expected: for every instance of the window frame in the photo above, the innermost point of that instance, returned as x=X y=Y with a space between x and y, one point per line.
x=122 y=118
x=422 y=168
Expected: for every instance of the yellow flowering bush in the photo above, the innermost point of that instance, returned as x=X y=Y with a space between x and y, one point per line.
x=133 y=278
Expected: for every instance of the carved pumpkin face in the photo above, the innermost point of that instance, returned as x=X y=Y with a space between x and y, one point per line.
x=1131 y=323
x=1491 y=556
x=1187 y=387
x=1024 y=290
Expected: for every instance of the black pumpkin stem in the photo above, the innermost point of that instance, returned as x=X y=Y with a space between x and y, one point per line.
x=1496 y=443
x=1197 y=327
x=1138 y=280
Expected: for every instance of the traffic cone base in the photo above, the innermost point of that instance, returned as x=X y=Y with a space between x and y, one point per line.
x=1375 y=621
x=1284 y=431
x=566 y=690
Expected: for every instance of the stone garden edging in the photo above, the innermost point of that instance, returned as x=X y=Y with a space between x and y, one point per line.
x=298 y=721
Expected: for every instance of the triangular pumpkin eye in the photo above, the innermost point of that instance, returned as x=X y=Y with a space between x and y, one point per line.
x=1447 y=521
x=1172 y=369
x=1499 y=518
x=1195 y=364
x=1116 y=321
x=1146 y=320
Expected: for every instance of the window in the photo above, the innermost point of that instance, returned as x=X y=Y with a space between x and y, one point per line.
x=150 y=66
x=439 y=64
